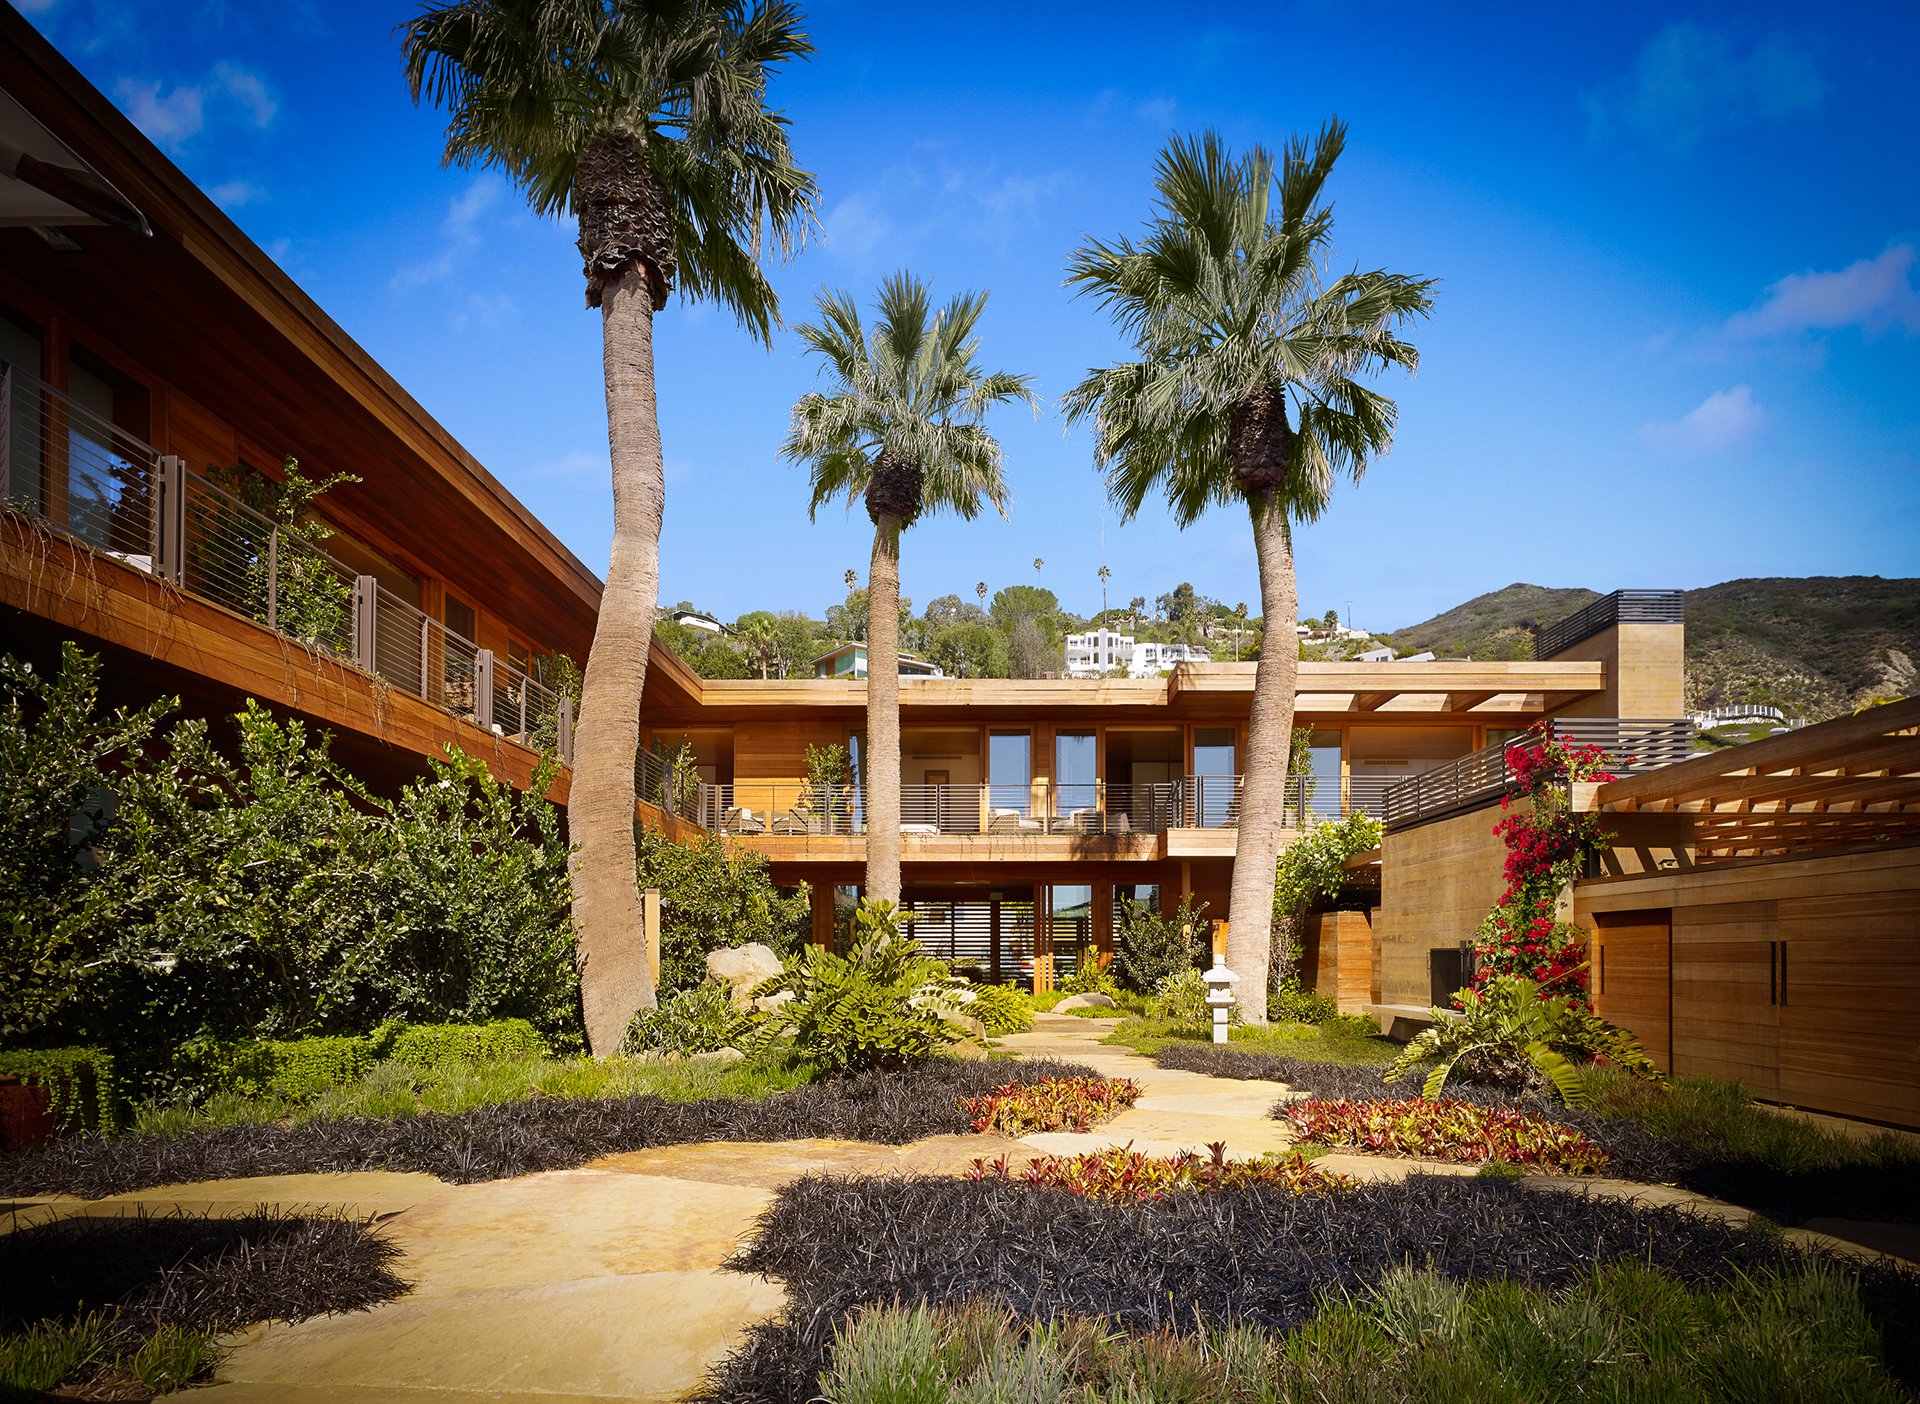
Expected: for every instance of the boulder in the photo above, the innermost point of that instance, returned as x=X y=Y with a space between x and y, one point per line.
x=968 y=1050
x=966 y=1023
x=740 y=968
x=767 y=1004
x=719 y=1055
x=1085 y=1001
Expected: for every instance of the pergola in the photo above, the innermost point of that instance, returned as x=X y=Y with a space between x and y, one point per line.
x=1850 y=783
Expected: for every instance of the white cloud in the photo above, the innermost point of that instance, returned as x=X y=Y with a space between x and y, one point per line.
x=460 y=230
x=35 y=7
x=1156 y=110
x=855 y=227
x=1689 y=83
x=173 y=117
x=1874 y=294
x=490 y=312
x=1719 y=422
x=579 y=464
x=169 y=120
x=232 y=194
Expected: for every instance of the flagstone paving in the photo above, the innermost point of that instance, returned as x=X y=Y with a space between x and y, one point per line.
x=604 y=1283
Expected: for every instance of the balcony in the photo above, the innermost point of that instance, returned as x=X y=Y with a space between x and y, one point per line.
x=70 y=474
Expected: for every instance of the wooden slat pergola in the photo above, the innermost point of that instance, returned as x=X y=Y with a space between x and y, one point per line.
x=1853 y=782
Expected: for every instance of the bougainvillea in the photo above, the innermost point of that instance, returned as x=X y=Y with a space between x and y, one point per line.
x=1547 y=847
x=1123 y=1173
x=1448 y=1130
x=1053 y=1104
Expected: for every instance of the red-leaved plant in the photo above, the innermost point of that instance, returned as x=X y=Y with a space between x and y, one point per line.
x=1123 y=1173
x=1447 y=1130
x=1053 y=1104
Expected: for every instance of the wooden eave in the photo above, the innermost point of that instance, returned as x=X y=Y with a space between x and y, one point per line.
x=204 y=309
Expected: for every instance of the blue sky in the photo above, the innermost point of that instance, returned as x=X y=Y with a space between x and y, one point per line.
x=1676 y=338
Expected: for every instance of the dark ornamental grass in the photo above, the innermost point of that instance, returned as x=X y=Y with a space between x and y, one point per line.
x=1259 y=1257
x=194 y=1271
x=518 y=1138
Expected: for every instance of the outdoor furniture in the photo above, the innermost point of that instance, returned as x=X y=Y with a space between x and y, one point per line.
x=740 y=820
x=794 y=821
x=1087 y=820
x=1011 y=821
x=919 y=828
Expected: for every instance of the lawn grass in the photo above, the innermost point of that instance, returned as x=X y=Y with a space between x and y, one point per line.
x=393 y=1089
x=1621 y=1333
x=1347 y=1041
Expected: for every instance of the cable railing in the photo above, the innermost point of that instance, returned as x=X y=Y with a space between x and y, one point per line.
x=80 y=475
x=1620 y=607
x=1631 y=746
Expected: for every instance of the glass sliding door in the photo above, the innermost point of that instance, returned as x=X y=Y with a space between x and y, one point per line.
x=1010 y=781
x=1070 y=914
x=1216 y=786
x=1076 y=782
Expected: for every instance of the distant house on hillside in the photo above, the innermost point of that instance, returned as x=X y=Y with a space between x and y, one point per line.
x=850 y=661
x=692 y=619
x=1102 y=651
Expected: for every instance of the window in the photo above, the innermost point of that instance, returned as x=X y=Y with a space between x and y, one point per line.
x=1075 y=776
x=20 y=348
x=106 y=492
x=1215 y=788
x=458 y=617
x=1010 y=770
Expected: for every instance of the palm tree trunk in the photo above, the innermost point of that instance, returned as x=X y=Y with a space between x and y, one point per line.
x=608 y=934
x=883 y=713
x=1269 y=739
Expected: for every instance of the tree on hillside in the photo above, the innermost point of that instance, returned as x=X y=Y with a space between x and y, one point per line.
x=901 y=428
x=756 y=633
x=1244 y=391
x=1023 y=602
x=650 y=124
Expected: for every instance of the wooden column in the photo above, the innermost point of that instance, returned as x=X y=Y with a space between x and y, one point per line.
x=1102 y=933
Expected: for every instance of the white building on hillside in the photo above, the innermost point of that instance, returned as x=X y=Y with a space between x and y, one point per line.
x=1102 y=651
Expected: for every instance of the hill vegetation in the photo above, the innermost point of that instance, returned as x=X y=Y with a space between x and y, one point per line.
x=1813 y=647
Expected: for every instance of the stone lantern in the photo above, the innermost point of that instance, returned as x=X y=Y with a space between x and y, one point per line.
x=1220 y=983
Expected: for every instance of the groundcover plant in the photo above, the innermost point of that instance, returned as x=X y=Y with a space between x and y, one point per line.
x=518 y=1138
x=1189 y=1263
x=122 y=1307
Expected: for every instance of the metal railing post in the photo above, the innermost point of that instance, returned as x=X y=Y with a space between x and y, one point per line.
x=273 y=577
x=6 y=434
x=168 y=538
x=366 y=615
x=483 y=686
x=563 y=728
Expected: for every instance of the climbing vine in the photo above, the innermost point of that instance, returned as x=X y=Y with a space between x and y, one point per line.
x=1547 y=848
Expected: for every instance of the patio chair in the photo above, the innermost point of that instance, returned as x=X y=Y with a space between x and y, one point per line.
x=798 y=820
x=1011 y=821
x=1080 y=821
x=740 y=820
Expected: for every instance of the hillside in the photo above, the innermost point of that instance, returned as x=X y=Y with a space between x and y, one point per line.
x=1813 y=647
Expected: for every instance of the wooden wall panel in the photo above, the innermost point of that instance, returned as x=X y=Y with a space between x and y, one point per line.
x=1632 y=977
x=1438 y=882
x=1336 y=957
x=196 y=434
x=1725 y=1020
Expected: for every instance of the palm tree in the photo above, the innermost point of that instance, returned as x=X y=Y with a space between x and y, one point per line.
x=1105 y=575
x=758 y=634
x=648 y=122
x=1244 y=390
x=1037 y=563
x=980 y=589
x=901 y=428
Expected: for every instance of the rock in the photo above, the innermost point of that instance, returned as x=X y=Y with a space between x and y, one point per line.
x=740 y=968
x=767 y=1004
x=719 y=1055
x=968 y=1050
x=1085 y=1001
x=966 y=1023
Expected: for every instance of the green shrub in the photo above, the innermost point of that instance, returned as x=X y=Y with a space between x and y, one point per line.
x=1311 y=871
x=173 y=1358
x=699 y=1020
x=711 y=898
x=1148 y=947
x=878 y=1007
x=431 y=1044
x=82 y=1092
x=48 y=1354
x=1089 y=978
x=1182 y=1000
x=1004 y=1009
x=1294 y=1003
x=294 y=1069
x=1510 y=1032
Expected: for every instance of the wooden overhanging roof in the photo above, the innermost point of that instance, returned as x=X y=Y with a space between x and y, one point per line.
x=201 y=306
x=1849 y=783
x=1500 y=694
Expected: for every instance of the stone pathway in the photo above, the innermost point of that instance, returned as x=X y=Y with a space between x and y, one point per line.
x=603 y=1283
